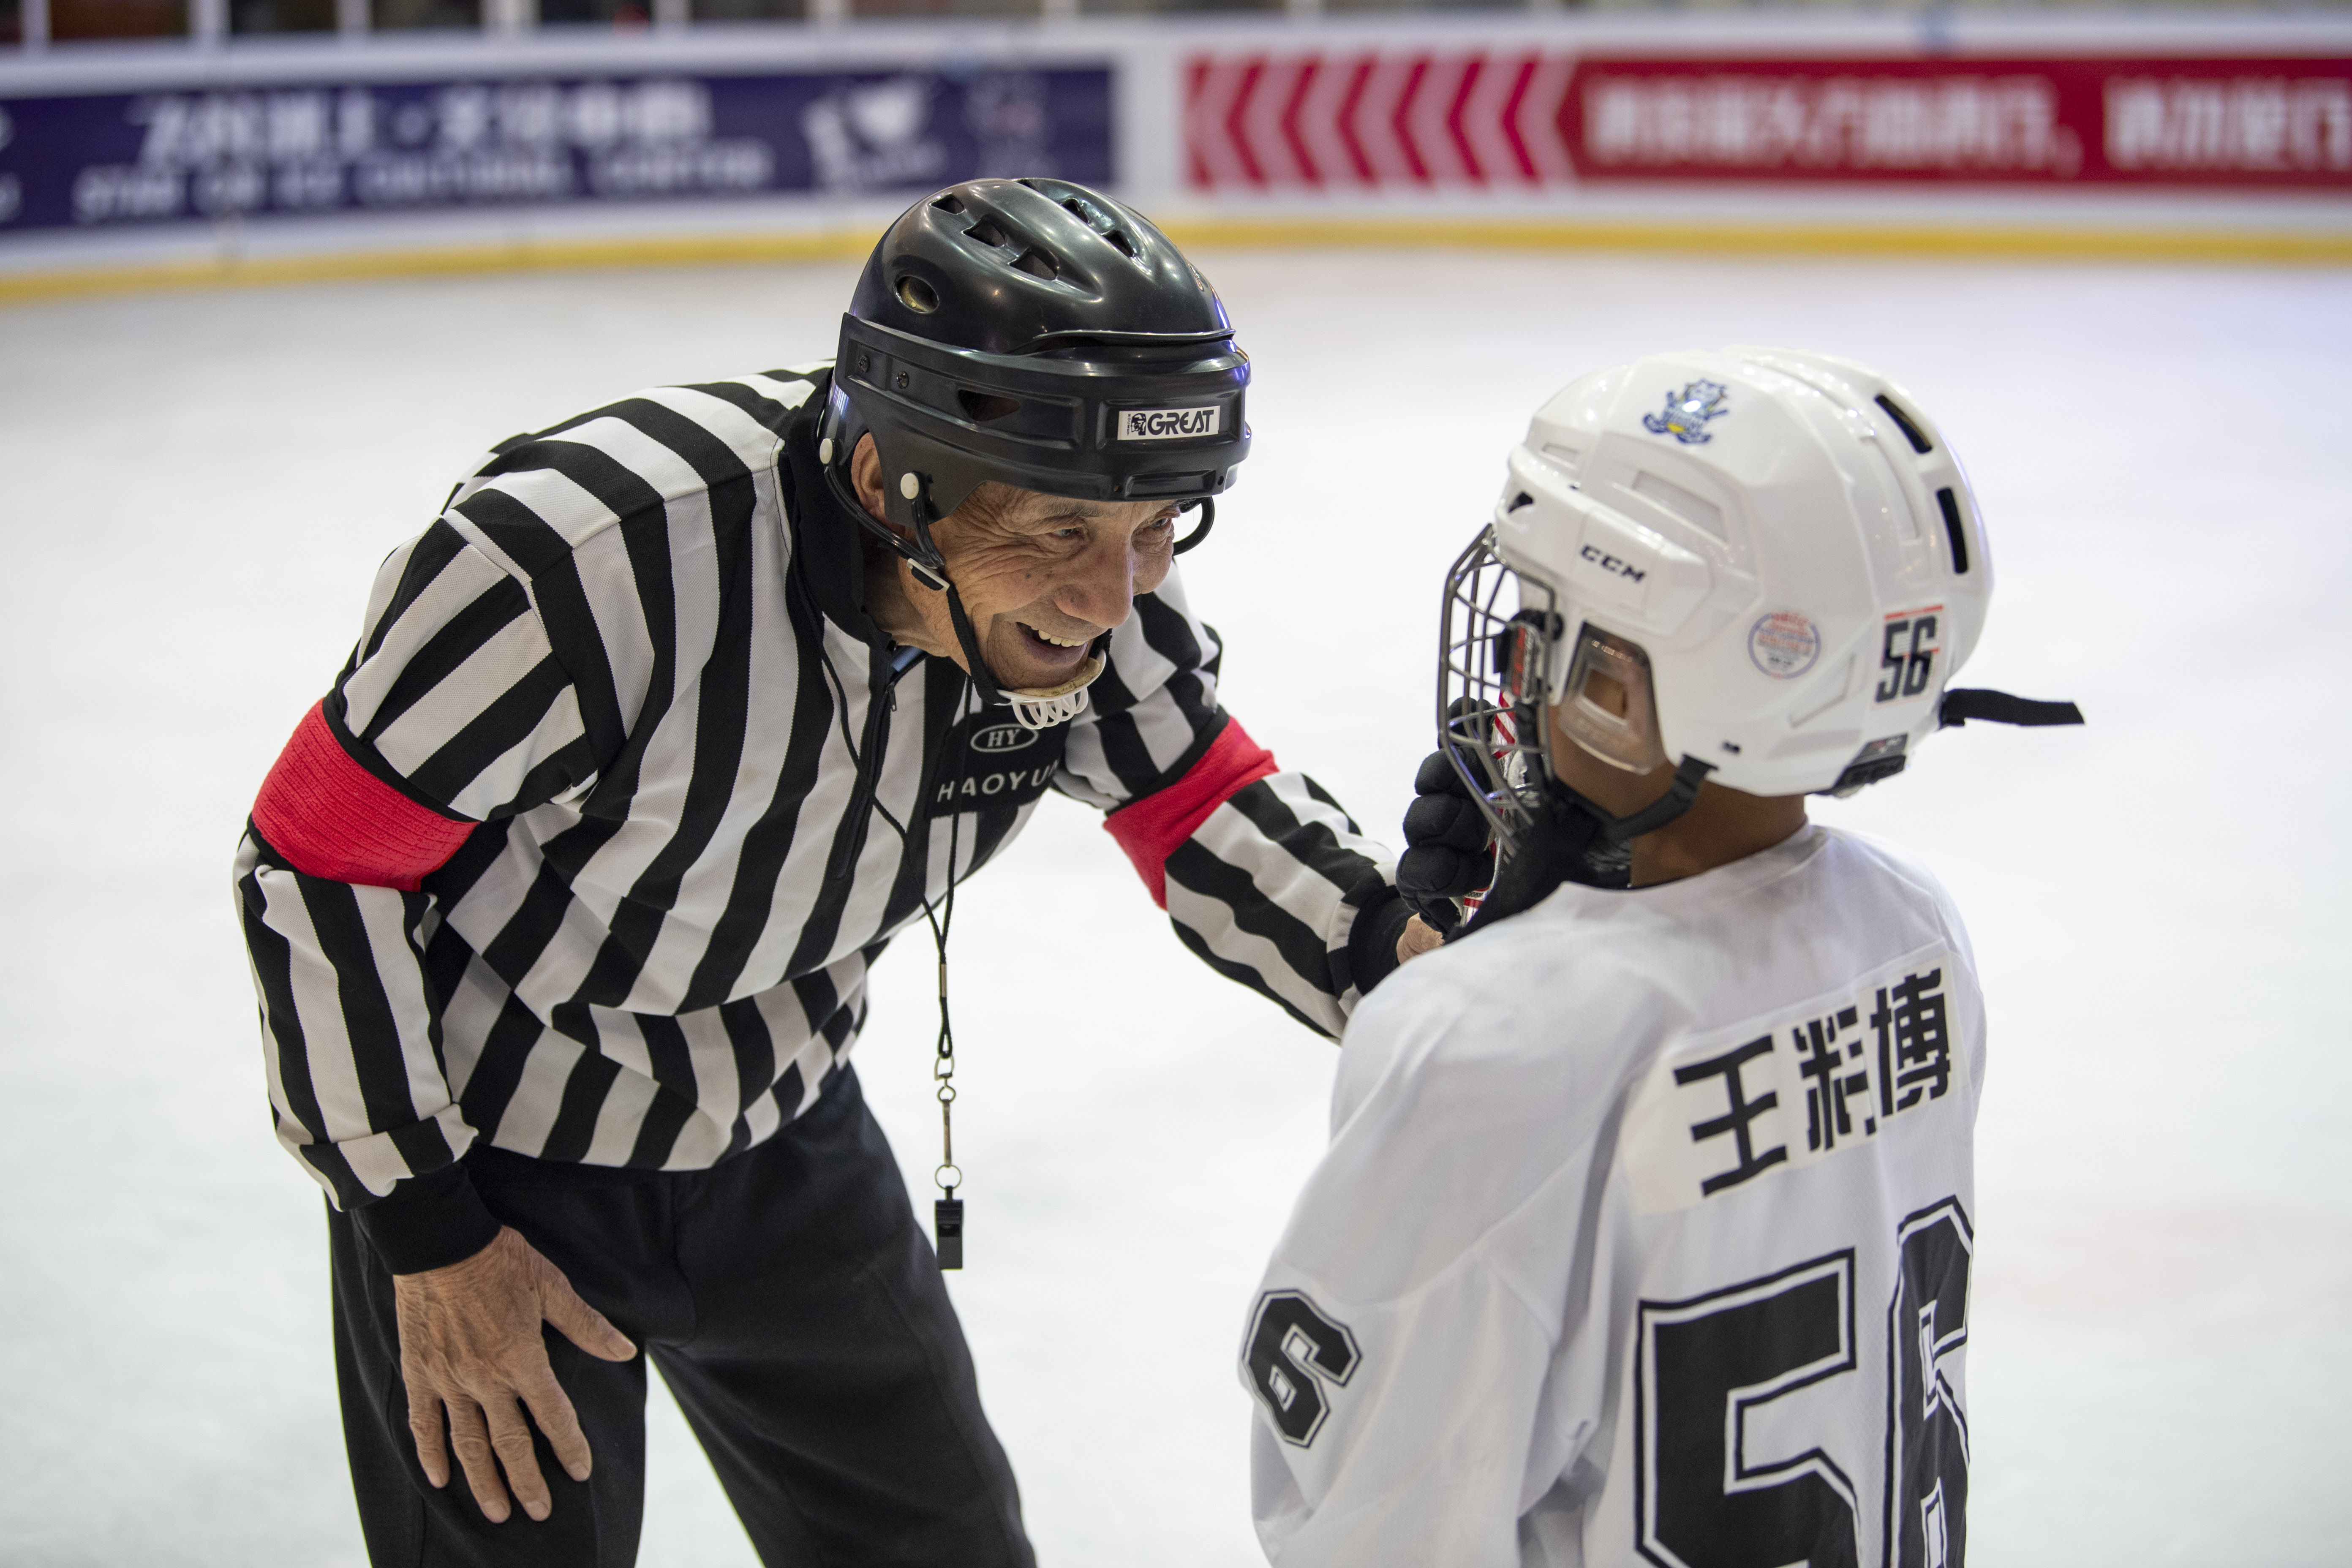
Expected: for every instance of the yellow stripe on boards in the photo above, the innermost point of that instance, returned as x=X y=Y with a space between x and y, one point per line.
x=2277 y=248
x=2324 y=247
x=251 y=271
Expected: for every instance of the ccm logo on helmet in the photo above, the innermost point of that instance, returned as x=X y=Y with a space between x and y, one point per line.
x=1612 y=565
x=1166 y=423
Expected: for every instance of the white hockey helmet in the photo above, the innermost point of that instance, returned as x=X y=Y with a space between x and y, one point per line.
x=1775 y=554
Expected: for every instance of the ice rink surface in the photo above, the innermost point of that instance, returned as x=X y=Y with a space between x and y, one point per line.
x=194 y=490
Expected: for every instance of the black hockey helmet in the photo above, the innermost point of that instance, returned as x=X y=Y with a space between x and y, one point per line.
x=1038 y=333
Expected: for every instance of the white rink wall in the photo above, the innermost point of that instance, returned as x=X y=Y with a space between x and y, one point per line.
x=195 y=488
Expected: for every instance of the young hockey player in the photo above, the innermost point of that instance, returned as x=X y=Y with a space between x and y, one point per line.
x=1645 y=1229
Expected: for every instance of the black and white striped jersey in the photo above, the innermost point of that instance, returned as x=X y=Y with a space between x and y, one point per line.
x=587 y=852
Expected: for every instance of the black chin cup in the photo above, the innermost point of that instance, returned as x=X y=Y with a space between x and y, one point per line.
x=1561 y=843
x=1571 y=839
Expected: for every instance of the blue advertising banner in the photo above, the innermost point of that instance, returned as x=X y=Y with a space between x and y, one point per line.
x=106 y=161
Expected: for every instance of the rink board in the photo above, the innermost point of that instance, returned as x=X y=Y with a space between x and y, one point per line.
x=2021 y=135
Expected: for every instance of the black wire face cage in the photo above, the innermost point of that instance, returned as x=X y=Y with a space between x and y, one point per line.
x=1497 y=637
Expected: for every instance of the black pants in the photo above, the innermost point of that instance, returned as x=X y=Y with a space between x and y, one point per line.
x=795 y=1311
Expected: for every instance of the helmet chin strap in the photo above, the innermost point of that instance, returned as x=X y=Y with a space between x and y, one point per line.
x=1623 y=830
x=1036 y=709
x=1574 y=839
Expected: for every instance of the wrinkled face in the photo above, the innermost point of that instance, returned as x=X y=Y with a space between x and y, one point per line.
x=1042 y=576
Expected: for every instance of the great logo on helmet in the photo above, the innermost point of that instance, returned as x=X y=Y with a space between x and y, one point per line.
x=1167 y=424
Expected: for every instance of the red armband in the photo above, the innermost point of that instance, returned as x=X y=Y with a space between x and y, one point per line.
x=330 y=817
x=1149 y=829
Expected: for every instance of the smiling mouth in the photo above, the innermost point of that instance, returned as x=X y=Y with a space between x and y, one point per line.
x=1052 y=649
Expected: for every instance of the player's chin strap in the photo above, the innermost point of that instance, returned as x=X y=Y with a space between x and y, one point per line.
x=1573 y=839
x=1680 y=793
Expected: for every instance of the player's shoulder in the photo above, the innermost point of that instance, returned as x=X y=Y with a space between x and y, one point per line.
x=1854 y=860
x=1521 y=1011
x=1869 y=849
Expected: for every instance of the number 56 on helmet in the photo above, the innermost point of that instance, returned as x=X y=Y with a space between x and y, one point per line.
x=1760 y=564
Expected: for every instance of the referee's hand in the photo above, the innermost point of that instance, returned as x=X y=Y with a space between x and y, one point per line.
x=469 y=1343
x=1449 y=853
x=1419 y=937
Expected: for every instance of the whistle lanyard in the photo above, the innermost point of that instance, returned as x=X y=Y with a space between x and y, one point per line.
x=947 y=1213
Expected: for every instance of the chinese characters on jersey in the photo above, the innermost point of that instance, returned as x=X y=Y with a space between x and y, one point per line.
x=1791 y=1089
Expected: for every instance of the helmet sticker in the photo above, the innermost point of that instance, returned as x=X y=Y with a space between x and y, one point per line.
x=1167 y=424
x=1784 y=644
x=1906 y=654
x=1688 y=411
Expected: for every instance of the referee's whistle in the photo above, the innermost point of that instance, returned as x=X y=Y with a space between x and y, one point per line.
x=947 y=1224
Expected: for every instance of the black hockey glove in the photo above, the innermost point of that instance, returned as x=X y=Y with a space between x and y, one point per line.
x=1449 y=853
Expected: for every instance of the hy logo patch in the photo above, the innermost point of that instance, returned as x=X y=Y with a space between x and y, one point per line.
x=1004 y=738
x=1167 y=424
x=1688 y=411
x=994 y=766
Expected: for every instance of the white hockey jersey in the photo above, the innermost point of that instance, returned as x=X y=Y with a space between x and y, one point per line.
x=1643 y=1238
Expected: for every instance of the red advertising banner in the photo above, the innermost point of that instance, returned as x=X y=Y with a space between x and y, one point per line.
x=1519 y=120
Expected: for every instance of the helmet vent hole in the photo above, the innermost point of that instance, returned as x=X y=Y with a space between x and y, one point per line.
x=987 y=233
x=1954 y=530
x=950 y=204
x=984 y=407
x=1909 y=426
x=1121 y=243
x=1038 y=264
x=917 y=295
x=1520 y=500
